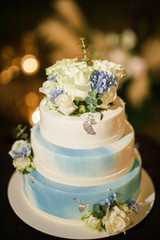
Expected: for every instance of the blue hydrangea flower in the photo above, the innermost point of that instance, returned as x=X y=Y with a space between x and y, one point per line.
x=133 y=205
x=106 y=202
x=113 y=196
x=102 y=81
x=52 y=78
x=22 y=152
x=55 y=94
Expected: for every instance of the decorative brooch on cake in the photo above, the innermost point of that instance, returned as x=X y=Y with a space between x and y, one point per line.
x=74 y=88
x=21 y=152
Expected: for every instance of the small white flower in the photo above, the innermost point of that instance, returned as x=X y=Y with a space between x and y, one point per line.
x=22 y=163
x=93 y=223
x=65 y=104
x=115 y=221
x=31 y=167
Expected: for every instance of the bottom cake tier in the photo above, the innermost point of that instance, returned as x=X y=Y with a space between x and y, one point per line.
x=71 y=202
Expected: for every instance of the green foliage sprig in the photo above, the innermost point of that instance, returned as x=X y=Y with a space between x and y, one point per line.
x=93 y=100
x=84 y=48
x=21 y=132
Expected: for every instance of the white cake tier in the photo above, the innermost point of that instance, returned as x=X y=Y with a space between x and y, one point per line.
x=80 y=132
x=83 y=167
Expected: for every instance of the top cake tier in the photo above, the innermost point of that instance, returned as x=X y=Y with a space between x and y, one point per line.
x=81 y=109
x=85 y=131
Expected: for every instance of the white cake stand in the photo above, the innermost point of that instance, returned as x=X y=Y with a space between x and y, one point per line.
x=67 y=228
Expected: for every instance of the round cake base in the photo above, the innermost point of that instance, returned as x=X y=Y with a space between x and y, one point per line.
x=68 y=228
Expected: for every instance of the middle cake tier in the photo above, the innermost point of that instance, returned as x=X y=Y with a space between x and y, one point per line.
x=83 y=167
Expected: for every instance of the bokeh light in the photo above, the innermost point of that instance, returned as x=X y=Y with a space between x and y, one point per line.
x=32 y=99
x=35 y=117
x=29 y=64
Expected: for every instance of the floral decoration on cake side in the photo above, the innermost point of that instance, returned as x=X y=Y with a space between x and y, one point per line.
x=110 y=215
x=74 y=87
x=21 y=152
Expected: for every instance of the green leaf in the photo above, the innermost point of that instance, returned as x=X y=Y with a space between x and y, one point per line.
x=99 y=211
x=94 y=102
x=101 y=116
x=99 y=102
x=92 y=109
x=21 y=132
x=84 y=217
x=93 y=93
x=104 y=208
x=88 y=100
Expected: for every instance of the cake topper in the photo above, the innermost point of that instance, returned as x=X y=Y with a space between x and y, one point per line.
x=75 y=87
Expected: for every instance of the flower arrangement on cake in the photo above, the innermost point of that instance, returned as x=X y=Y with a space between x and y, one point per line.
x=110 y=215
x=21 y=152
x=74 y=87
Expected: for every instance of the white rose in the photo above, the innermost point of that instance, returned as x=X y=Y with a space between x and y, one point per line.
x=116 y=221
x=65 y=104
x=21 y=163
x=20 y=148
x=104 y=65
x=93 y=223
x=76 y=91
x=79 y=73
x=48 y=86
x=58 y=67
x=70 y=71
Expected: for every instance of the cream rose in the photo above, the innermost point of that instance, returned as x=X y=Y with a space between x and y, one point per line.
x=48 y=86
x=65 y=104
x=21 y=163
x=104 y=65
x=93 y=223
x=76 y=91
x=108 y=97
x=116 y=221
x=70 y=71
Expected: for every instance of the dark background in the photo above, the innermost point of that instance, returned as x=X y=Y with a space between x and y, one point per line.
x=42 y=28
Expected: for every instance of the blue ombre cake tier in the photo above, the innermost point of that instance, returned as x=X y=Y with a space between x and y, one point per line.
x=63 y=200
x=83 y=167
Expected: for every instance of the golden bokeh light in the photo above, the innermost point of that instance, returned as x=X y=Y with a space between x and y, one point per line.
x=8 y=74
x=34 y=116
x=29 y=64
x=32 y=99
x=16 y=61
x=5 y=77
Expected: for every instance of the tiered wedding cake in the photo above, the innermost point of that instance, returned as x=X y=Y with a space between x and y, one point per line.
x=83 y=148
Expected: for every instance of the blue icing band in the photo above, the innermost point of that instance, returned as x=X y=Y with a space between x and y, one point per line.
x=80 y=163
x=58 y=199
x=68 y=151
